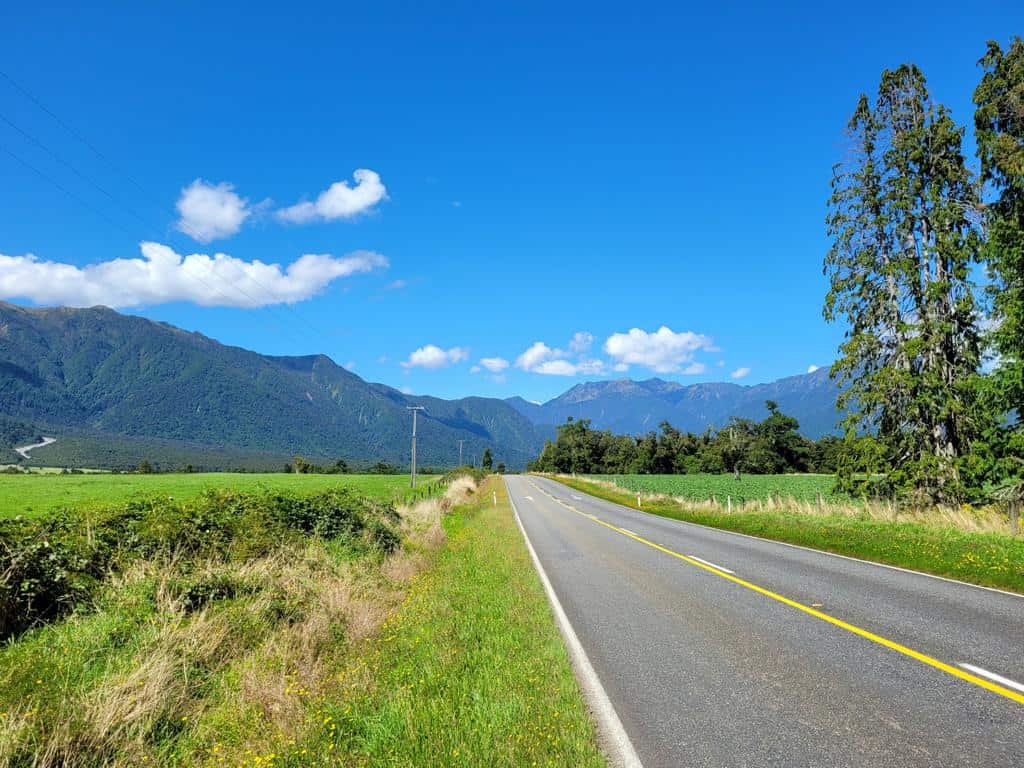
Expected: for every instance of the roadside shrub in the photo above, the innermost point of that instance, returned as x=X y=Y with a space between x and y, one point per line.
x=192 y=594
x=50 y=566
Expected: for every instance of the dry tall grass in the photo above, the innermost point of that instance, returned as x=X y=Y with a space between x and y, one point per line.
x=986 y=519
x=255 y=666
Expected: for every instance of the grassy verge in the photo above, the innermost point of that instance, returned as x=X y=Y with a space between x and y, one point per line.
x=190 y=631
x=989 y=559
x=470 y=671
x=280 y=631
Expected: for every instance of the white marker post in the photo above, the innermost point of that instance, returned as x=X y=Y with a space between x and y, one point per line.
x=495 y=495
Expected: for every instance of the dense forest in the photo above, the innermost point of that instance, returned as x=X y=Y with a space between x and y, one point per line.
x=771 y=446
x=926 y=271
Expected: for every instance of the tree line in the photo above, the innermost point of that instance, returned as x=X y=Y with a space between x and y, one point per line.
x=771 y=446
x=926 y=269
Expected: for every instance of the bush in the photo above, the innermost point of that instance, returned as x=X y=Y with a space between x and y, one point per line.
x=53 y=565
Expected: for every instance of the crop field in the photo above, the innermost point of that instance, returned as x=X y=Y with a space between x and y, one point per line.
x=747 y=488
x=36 y=494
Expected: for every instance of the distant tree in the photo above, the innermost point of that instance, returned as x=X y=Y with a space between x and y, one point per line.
x=341 y=466
x=501 y=467
x=487 y=460
x=145 y=468
x=733 y=445
x=302 y=465
x=785 y=449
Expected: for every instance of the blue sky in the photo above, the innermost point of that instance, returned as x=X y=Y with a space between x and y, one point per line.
x=537 y=174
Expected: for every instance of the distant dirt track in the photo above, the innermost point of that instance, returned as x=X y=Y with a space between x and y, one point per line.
x=23 y=451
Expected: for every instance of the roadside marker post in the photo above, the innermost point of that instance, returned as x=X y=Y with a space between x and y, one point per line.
x=494 y=494
x=638 y=504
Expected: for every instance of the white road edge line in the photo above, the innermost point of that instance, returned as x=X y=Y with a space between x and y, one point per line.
x=811 y=549
x=993 y=677
x=708 y=562
x=619 y=748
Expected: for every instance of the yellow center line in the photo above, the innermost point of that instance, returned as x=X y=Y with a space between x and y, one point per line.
x=892 y=645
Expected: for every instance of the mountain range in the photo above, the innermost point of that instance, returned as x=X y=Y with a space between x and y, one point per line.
x=117 y=388
x=632 y=407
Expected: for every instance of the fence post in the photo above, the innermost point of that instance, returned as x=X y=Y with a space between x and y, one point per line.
x=638 y=504
x=1014 y=517
x=728 y=500
x=818 y=494
x=494 y=494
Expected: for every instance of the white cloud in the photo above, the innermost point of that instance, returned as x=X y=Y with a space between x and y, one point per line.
x=163 y=275
x=555 y=368
x=432 y=356
x=494 y=364
x=580 y=342
x=396 y=285
x=405 y=390
x=740 y=373
x=475 y=369
x=540 y=358
x=211 y=211
x=812 y=368
x=536 y=354
x=663 y=351
x=339 y=201
x=589 y=366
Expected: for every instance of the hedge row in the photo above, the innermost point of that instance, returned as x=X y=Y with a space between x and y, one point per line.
x=52 y=565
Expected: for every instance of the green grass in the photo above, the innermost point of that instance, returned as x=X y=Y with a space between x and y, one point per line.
x=323 y=653
x=38 y=494
x=471 y=671
x=989 y=559
x=747 y=488
x=178 y=647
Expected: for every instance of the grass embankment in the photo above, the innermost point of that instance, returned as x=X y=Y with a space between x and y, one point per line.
x=269 y=629
x=36 y=494
x=159 y=633
x=930 y=544
x=470 y=671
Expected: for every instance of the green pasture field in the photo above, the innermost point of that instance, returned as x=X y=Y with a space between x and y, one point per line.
x=747 y=488
x=38 y=494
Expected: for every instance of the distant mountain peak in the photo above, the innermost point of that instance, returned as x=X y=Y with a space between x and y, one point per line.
x=628 y=406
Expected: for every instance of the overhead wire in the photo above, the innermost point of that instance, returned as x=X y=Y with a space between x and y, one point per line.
x=269 y=306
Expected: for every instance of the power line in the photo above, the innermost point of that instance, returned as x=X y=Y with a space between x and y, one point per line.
x=117 y=226
x=66 y=191
x=272 y=295
x=25 y=92
x=73 y=169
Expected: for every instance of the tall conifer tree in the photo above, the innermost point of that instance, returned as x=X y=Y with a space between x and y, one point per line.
x=903 y=219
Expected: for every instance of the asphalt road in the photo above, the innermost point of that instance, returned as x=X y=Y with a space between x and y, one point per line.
x=795 y=658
